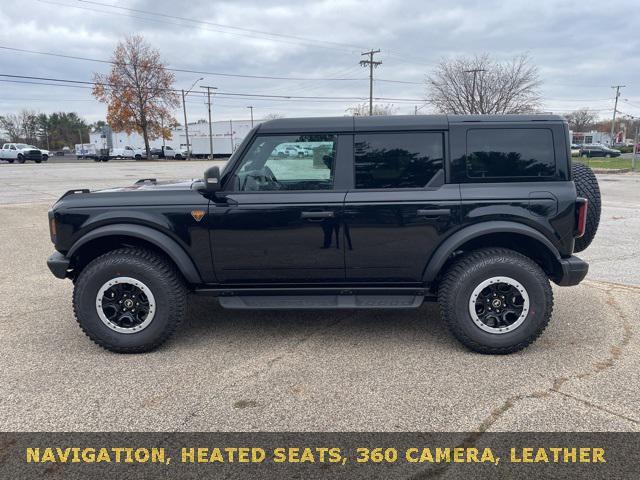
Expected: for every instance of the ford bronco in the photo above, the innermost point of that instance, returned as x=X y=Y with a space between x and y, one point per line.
x=477 y=212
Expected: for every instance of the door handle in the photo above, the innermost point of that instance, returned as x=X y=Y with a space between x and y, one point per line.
x=435 y=212
x=317 y=215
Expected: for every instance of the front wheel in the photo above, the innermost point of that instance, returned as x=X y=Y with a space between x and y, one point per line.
x=45 y=158
x=495 y=300
x=21 y=158
x=129 y=300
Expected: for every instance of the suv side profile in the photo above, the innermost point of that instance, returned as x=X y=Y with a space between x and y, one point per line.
x=477 y=212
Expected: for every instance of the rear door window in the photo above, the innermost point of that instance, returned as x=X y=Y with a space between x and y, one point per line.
x=519 y=153
x=397 y=160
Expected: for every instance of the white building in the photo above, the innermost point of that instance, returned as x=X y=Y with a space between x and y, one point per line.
x=227 y=136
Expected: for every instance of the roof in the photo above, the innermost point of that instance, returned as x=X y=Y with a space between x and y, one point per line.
x=390 y=122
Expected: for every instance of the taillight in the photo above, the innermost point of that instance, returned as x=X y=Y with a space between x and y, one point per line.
x=582 y=204
x=52 y=229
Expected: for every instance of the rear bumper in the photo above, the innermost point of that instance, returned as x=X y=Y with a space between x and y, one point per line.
x=574 y=270
x=58 y=264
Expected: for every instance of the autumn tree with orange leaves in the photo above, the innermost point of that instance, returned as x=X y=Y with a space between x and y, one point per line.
x=138 y=91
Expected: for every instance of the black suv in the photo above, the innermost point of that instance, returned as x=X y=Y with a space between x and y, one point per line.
x=478 y=212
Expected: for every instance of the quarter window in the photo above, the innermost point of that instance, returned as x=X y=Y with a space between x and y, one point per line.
x=514 y=152
x=292 y=162
x=397 y=160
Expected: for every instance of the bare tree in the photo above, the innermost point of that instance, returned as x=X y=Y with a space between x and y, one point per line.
x=362 y=109
x=272 y=116
x=11 y=125
x=581 y=120
x=21 y=127
x=138 y=90
x=481 y=84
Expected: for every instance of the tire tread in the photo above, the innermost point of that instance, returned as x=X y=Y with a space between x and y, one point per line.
x=165 y=268
x=456 y=271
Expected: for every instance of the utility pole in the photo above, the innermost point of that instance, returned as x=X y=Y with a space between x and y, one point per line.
x=250 y=107
x=615 y=109
x=231 y=131
x=186 y=124
x=371 y=65
x=162 y=130
x=209 y=108
x=184 y=110
x=475 y=72
x=635 y=150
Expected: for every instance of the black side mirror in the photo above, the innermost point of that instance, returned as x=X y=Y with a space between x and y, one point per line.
x=212 y=179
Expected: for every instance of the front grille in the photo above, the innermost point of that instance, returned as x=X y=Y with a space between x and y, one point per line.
x=33 y=155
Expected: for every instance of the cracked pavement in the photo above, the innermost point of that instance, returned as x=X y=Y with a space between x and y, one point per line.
x=310 y=370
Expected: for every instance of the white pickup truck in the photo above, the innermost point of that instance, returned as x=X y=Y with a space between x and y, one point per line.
x=22 y=152
x=128 y=152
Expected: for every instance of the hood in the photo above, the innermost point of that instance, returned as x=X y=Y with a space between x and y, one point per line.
x=151 y=184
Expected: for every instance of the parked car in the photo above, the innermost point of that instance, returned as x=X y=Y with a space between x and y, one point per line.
x=156 y=152
x=395 y=216
x=598 y=151
x=21 y=152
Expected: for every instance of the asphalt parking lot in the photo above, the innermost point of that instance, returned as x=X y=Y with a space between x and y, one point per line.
x=309 y=371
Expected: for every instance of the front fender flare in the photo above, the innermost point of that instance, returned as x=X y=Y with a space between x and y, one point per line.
x=161 y=240
x=451 y=244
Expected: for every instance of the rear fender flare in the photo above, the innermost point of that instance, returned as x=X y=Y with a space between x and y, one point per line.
x=455 y=241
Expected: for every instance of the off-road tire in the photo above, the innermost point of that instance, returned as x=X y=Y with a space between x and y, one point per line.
x=587 y=187
x=157 y=273
x=469 y=271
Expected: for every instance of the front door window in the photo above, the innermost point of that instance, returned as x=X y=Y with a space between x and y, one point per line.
x=285 y=163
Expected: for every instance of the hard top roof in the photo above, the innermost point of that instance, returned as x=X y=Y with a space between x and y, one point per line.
x=390 y=122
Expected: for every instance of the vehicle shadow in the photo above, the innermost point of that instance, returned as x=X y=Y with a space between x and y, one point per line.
x=208 y=323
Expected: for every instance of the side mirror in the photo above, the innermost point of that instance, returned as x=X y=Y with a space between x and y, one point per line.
x=212 y=179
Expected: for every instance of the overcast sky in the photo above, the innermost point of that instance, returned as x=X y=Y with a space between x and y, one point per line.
x=581 y=49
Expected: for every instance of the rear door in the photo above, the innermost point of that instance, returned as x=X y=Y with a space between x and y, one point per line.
x=278 y=219
x=399 y=208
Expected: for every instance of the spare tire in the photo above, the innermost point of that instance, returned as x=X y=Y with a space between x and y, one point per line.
x=587 y=187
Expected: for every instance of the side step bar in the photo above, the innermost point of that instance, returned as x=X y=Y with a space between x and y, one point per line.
x=298 y=302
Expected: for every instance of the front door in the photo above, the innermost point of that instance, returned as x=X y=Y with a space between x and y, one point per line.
x=400 y=208
x=278 y=217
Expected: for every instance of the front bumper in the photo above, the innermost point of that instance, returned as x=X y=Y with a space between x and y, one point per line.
x=58 y=264
x=573 y=271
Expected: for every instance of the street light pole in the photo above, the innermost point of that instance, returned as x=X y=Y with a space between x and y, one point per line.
x=250 y=107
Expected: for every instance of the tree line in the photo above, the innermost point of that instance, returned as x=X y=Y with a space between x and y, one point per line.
x=52 y=132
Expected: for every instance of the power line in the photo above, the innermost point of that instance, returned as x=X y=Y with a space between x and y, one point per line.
x=182 y=70
x=235 y=94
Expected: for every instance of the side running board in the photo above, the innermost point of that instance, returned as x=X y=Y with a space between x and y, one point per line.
x=298 y=302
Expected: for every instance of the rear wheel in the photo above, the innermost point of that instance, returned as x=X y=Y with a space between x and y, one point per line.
x=587 y=187
x=129 y=300
x=10 y=160
x=495 y=300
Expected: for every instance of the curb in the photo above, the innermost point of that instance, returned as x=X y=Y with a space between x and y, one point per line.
x=611 y=170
